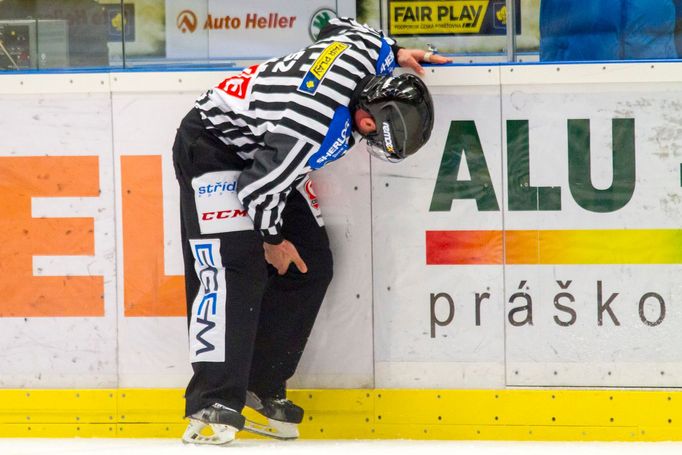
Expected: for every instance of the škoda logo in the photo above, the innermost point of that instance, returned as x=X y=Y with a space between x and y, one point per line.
x=187 y=21
x=311 y=194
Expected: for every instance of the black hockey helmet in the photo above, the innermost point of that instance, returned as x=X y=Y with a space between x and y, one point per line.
x=402 y=109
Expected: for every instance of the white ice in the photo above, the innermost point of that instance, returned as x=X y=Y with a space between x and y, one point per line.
x=393 y=447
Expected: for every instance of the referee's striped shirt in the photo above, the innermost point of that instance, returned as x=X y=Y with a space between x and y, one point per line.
x=276 y=115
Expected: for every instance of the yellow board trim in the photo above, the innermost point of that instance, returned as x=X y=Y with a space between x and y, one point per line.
x=526 y=415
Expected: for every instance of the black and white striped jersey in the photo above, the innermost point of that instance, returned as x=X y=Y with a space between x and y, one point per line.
x=289 y=116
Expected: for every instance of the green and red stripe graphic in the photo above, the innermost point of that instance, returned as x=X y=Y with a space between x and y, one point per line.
x=629 y=246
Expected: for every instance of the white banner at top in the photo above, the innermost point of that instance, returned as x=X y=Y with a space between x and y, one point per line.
x=257 y=29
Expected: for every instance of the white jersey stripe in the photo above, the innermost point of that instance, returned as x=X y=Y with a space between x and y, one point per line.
x=295 y=98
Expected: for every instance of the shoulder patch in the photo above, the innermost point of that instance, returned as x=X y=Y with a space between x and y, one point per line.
x=386 y=60
x=336 y=142
x=320 y=67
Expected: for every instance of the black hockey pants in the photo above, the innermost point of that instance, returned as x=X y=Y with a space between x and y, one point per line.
x=247 y=325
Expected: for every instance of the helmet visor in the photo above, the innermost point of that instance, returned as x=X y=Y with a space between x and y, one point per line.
x=378 y=150
x=388 y=142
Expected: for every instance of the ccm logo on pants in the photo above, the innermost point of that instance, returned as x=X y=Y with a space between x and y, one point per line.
x=207 y=322
x=218 y=207
x=221 y=215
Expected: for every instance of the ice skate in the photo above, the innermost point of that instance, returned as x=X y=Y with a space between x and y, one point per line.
x=282 y=417
x=216 y=425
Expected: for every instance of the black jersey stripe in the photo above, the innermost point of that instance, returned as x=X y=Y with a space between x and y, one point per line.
x=268 y=105
x=359 y=43
x=284 y=176
x=357 y=52
x=281 y=200
x=355 y=77
x=309 y=122
x=234 y=118
x=258 y=219
x=226 y=125
x=303 y=130
x=230 y=131
x=299 y=73
x=294 y=71
x=296 y=67
x=236 y=138
x=355 y=63
x=204 y=98
x=357 y=60
x=296 y=97
x=275 y=106
x=287 y=68
x=339 y=88
x=287 y=90
x=248 y=148
x=368 y=45
x=274 y=212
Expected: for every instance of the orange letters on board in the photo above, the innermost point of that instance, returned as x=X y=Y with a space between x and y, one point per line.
x=148 y=291
x=22 y=237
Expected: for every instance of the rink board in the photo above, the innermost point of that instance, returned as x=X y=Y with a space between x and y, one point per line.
x=534 y=242
x=533 y=415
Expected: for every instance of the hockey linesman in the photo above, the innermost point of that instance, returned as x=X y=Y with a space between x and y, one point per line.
x=257 y=257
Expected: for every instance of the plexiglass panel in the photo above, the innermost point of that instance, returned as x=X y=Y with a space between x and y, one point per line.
x=57 y=34
x=587 y=30
x=49 y=34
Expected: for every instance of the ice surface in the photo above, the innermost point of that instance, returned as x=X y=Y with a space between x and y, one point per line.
x=393 y=447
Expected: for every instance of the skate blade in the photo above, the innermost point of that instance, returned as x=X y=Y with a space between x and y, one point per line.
x=196 y=433
x=274 y=429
